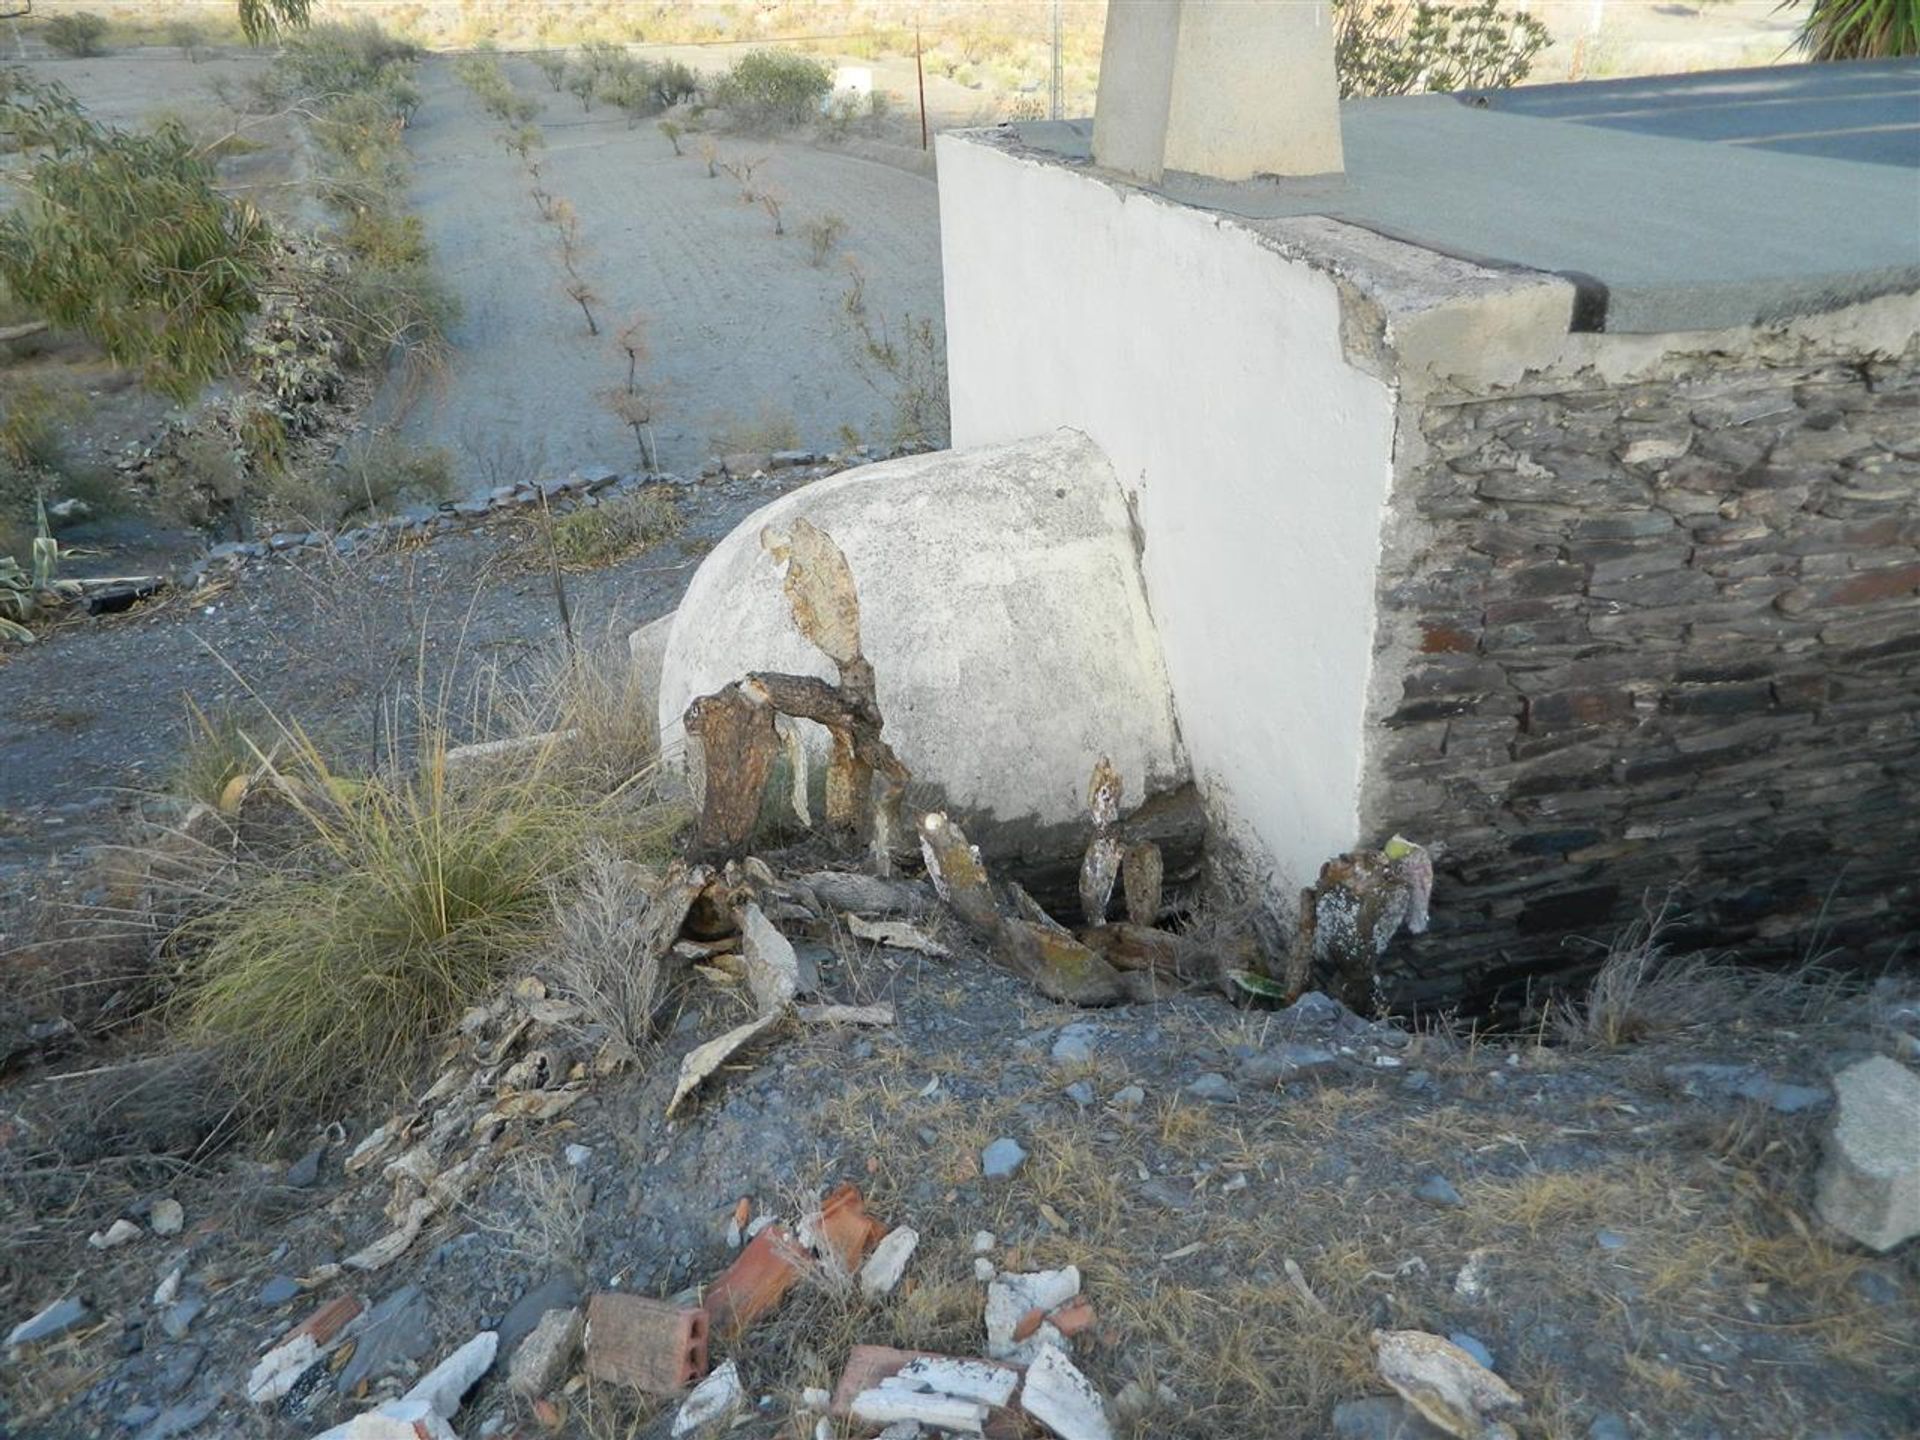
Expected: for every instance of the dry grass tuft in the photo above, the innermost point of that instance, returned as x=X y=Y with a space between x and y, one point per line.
x=597 y=957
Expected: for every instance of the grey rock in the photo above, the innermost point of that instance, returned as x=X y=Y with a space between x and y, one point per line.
x=286 y=540
x=1744 y=1082
x=1129 y=1097
x=1868 y=1187
x=1002 y=1158
x=471 y=508
x=134 y=1416
x=277 y=1291
x=786 y=459
x=1608 y=1427
x=1214 y=1088
x=58 y=1318
x=179 y=1419
x=228 y=550
x=180 y=1366
x=1284 y=1061
x=1313 y=1008
x=398 y=1329
x=1438 y=1190
x=1081 y=1093
x=1381 y=1417
x=595 y=477
x=1610 y=1240
x=1075 y=1043
x=304 y=1171
x=179 y=1316
x=560 y=1291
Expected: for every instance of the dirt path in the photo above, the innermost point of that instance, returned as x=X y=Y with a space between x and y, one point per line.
x=742 y=329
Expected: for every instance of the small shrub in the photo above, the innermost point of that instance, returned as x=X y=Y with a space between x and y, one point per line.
x=769 y=90
x=553 y=66
x=770 y=428
x=187 y=37
x=1403 y=47
x=380 y=471
x=78 y=35
x=600 y=534
x=672 y=131
x=823 y=232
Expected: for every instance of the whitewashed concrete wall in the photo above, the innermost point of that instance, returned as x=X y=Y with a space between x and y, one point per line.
x=1257 y=458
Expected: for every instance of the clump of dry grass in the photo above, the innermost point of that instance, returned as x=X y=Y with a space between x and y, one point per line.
x=597 y=957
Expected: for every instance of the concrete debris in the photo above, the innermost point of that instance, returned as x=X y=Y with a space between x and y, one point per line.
x=1013 y=1297
x=773 y=971
x=710 y=1409
x=888 y=1262
x=540 y=1361
x=1351 y=913
x=844 y=1014
x=115 y=1235
x=977 y=1380
x=1062 y=1399
x=164 y=1292
x=1446 y=1385
x=703 y=1060
x=443 y=1387
x=897 y=935
x=883 y=1405
x=1868 y=1187
x=167 y=1217
x=281 y=1368
x=55 y=1320
x=396 y=1420
x=651 y=1345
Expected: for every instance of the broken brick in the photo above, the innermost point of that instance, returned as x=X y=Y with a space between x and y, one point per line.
x=1072 y=1317
x=650 y=1345
x=767 y=1269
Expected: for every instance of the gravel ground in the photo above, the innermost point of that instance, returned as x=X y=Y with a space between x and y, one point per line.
x=740 y=325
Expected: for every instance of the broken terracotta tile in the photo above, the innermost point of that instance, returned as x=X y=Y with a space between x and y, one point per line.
x=845 y=1228
x=1073 y=1317
x=650 y=1345
x=769 y=1266
x=327 y=1321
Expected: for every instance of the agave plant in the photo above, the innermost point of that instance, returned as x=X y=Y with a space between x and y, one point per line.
x=1860 y=29
x=23 y=592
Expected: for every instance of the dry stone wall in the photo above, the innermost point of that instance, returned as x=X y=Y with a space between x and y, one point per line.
x=1651 y=639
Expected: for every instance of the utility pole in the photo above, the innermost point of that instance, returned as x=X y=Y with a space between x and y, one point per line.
x=1056 y=92
x=920 y=74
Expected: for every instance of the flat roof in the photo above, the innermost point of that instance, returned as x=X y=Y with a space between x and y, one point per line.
x=1683 y=202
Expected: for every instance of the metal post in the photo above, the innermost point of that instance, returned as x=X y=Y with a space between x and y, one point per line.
x=1056 y=95
x=920 y=73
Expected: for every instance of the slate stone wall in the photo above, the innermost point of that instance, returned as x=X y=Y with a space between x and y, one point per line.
x=1652 y=637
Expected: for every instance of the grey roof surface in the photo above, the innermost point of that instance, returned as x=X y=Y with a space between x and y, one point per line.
x=1687 y=202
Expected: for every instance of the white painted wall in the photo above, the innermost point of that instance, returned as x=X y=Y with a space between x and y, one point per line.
x=1210 y=370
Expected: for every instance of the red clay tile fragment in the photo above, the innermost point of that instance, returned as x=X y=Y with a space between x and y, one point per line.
x=649 y=1344
x=1028 y=1323
x=326 y=1322
x=766 y=1270
x=846 y=1228
x=1072 y=1317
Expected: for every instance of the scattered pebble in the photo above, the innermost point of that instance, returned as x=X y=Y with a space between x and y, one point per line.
x=1002 y=1158
x=1438 y=1190
x=1129 y=1097
x=1214 y=1088
x=1473 y=1347
x=1081 y=1093
x=167 y=1217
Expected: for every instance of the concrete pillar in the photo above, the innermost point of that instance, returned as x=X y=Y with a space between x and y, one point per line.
x=1225 y=88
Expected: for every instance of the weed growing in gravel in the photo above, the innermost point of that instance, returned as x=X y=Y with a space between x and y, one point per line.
x=823 y=232
x=598 y=957
x=600 y=534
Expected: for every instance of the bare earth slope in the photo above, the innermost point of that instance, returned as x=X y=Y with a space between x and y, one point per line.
x=739 y=323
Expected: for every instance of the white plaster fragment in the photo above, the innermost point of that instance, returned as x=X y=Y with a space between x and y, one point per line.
x=1062 y=1399
x=713 y=1403
x=888 y=1262
x=883 y=1406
